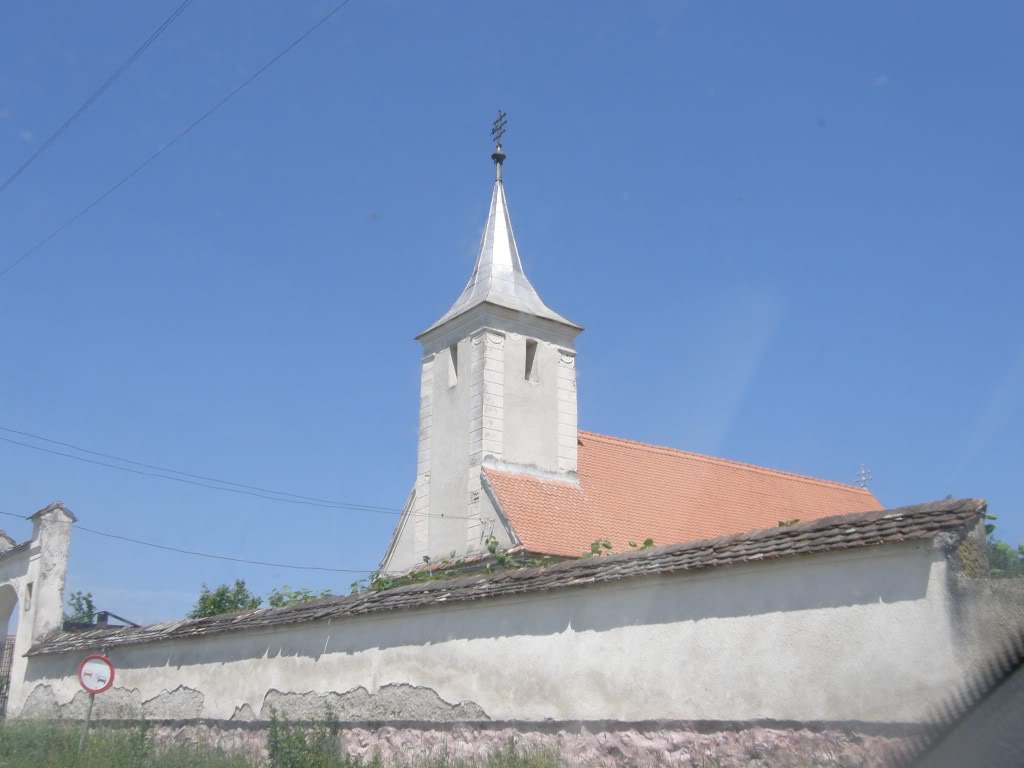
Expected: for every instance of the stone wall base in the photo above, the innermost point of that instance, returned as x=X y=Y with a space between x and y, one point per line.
x=723 y=745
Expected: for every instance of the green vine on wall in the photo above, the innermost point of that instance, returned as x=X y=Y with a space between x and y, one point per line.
x=501 y=560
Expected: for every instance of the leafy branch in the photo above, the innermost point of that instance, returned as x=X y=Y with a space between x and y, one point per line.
x=80 y=607
x=501 y=560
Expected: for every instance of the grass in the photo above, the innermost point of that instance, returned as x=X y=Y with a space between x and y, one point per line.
x=54 y=745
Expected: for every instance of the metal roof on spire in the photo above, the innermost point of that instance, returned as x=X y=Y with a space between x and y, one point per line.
x=498 y=277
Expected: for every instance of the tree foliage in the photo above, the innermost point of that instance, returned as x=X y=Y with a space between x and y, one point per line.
x=285 y=595
x=80 y=607
x=1003 y=560
x=224 y=599
x=228 y=598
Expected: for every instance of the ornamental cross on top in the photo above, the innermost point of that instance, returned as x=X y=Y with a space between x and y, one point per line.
x=498 y=128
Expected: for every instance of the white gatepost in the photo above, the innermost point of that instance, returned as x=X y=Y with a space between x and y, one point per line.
x=32 y=575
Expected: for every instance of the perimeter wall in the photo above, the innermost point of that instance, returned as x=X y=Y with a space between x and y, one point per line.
x=865 y=636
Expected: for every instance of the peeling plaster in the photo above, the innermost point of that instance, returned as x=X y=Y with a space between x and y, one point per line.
x=41 y=703
x=180 y=704
x=243 y=713
x=116 y=704
x=391 y=702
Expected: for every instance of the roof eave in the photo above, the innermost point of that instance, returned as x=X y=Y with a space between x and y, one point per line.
x=447 y=321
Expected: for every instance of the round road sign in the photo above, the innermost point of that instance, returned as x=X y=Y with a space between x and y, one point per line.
x=96 y=673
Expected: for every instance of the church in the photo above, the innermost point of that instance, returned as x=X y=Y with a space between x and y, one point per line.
x=501 y=458
x=852 y=623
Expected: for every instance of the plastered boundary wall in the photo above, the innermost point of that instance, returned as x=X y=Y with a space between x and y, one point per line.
x=842 y=636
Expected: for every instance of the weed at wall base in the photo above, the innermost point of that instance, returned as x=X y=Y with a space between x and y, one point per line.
x=41 y=744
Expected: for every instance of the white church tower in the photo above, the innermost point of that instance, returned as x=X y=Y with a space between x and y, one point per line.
x=497 y=388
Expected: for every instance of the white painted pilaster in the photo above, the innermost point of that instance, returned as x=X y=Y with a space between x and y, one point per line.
x=421 y=506
x=567 y=413
x=486 y=422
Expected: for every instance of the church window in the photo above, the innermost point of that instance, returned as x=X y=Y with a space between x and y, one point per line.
x=453 y=365
x=531 y=361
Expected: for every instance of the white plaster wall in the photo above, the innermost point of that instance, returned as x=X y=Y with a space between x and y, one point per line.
x=47 y=570
x=531 y=407
x=14 y=566
x=449 y=457
x=416 y=526
x=486 y=425
x=839 y=636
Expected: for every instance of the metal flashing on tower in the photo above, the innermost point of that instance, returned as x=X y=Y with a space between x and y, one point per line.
x=498 y=277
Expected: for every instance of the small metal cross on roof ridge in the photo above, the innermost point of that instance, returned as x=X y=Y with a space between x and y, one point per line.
x=498 y=128
x=863 y=476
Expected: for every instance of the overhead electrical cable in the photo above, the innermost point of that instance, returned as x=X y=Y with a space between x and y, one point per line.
x=203 y=554
x=182 y=134
x=194 y=476
x=227 y=486
x=351 y=507
x=121 y=69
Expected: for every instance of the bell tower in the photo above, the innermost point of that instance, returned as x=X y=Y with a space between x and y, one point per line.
x=497 y=386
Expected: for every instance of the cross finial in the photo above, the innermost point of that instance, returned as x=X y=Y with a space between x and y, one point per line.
x=497 y=131
x=863 y=476
x=498 y=128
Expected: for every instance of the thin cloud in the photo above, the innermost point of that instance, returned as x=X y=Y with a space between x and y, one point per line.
x=1000 y=410
x=746 y=322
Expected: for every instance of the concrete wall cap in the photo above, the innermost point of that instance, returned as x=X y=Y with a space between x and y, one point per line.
x=57 y=506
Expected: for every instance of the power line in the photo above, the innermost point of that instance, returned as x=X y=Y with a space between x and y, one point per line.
x=138 y=169
x=351 y=507
x=97 y=93
x=202 y=554
x=194 y=476
x=240 y=488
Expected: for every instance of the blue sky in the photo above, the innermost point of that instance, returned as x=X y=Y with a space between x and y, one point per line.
x=792 y=231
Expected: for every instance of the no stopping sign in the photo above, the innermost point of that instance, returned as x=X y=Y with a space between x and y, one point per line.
x=96 y=673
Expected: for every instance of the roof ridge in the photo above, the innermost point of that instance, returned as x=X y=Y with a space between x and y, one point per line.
x=637 y=444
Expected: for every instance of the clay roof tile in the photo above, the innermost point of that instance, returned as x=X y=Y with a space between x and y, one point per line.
x=630 y=491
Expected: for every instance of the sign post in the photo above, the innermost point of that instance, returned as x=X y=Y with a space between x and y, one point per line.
x=95 y=675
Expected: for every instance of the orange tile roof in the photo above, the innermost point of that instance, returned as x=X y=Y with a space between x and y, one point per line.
x=629 y=491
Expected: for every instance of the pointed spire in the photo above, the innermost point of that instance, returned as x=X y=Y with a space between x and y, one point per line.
x=498 y=277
